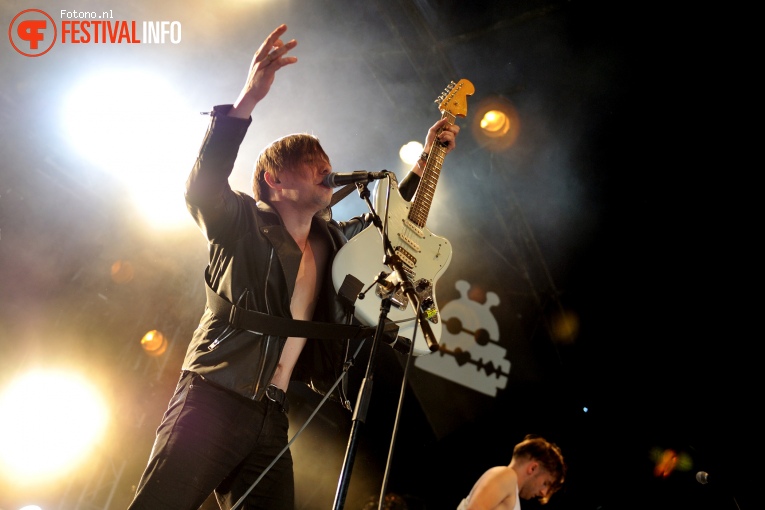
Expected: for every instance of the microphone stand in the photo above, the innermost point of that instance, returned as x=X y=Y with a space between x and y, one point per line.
x=365 y=392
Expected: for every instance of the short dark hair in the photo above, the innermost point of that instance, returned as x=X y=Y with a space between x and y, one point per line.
x=548 y=455
x=284 y=154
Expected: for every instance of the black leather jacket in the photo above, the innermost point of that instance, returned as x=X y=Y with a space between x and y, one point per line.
x=253 y=262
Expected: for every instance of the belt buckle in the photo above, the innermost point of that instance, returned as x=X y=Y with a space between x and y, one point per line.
x=278 y=396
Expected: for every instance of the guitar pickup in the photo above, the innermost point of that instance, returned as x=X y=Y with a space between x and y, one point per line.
x=408 y=240
x=405 y=256
x=414 y=227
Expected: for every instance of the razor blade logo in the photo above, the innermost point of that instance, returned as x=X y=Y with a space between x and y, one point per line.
x=469 y=352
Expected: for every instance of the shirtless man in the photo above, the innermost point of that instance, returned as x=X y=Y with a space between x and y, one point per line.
x=536 y=470
x=268 y=254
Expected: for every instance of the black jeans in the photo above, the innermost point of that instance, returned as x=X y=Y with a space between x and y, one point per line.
x=211 y=439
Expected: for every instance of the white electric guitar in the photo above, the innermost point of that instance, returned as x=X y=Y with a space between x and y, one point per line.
x=424 y=256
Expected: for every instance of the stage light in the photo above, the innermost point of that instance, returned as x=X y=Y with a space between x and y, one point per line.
x=564 y=326
x=668 y=460
x=495 y=124
x=122 y=271
x=136 y=126
x=410 y=152
x=51 y=421
x=154 y=343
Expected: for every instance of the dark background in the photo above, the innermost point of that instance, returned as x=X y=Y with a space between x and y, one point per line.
x=611 y=204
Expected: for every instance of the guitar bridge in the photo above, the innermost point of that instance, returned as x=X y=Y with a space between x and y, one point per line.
x=397 y=299
x=424 y=290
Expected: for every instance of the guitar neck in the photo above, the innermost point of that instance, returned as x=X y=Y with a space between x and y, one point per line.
x=418 y=213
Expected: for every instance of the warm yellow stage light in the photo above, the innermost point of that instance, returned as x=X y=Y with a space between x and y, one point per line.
x=565 y=326
x=51 y=420
x=154 y=343
x=122 y=271
x=495 y=124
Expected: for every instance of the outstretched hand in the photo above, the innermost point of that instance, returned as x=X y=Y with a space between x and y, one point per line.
x=268 y=59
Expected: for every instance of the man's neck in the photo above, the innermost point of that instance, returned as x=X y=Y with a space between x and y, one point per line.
x=296 y=221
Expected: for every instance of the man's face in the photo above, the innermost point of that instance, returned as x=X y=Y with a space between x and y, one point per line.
x=538 y=485
x=303 y=184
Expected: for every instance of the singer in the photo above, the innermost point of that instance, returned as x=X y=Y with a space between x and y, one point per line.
x=227 y=421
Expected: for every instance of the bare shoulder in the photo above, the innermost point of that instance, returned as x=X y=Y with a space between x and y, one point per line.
x=497 y=476
x=495 y=489
x=502 y=473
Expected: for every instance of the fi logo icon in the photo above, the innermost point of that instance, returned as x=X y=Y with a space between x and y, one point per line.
x=32 y=33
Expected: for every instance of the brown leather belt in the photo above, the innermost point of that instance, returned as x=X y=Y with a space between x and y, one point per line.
x=278 y=396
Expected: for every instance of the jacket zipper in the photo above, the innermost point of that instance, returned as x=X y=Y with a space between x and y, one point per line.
x=228 y=331
x=267 y=338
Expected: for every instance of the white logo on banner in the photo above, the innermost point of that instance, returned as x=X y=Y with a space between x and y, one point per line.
x=469 y=351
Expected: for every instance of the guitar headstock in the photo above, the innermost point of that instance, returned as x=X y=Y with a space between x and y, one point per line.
x=454 y=98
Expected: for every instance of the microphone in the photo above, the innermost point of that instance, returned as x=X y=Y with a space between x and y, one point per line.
x=334 y=180
x=703 y=478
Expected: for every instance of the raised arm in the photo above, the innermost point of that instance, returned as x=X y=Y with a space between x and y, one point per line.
x=208 y=194
x=268 y=59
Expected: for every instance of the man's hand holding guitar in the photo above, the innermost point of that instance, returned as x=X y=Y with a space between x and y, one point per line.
x=446 y=135
x=423 y=255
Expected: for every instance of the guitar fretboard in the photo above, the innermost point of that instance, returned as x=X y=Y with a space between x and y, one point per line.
x=418 y=213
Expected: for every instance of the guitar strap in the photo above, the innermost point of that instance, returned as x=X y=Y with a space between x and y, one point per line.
x=342 y=193
x=241 y=318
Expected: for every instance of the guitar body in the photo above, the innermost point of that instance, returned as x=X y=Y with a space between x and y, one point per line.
x=425 y=256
